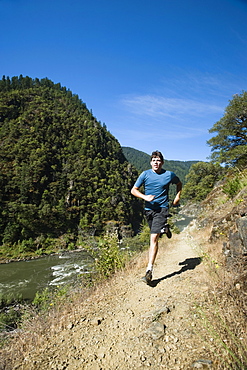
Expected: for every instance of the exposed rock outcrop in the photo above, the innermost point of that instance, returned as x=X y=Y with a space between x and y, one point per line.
x=228 y=223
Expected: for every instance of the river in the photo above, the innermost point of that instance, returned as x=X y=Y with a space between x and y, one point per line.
x=28 y=277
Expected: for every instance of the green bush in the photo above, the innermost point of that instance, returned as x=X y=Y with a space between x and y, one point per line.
x=9 y=319
x=48 y=298
x=10 y=311
x=232 y=187
x=42 y=299
x=201 y=180
x=10 y=299
x=144 y=235
x=26 y=246
x=107 y=256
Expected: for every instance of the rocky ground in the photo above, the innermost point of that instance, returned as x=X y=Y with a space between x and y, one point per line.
x=126 y=324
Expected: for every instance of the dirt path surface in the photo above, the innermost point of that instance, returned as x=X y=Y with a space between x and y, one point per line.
x=127 y=325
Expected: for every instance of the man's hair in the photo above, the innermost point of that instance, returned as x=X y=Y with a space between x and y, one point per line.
x=156 y=153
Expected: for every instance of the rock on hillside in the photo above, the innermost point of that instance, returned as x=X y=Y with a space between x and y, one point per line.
x=227 y=219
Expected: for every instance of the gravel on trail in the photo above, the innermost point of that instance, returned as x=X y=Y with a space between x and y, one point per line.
x=126 y=324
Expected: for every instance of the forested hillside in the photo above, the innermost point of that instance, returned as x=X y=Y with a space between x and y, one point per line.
x=61 y=171
x=141 y=161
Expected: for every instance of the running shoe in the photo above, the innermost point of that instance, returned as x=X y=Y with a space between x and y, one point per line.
x=168 y=232
x=148 y=277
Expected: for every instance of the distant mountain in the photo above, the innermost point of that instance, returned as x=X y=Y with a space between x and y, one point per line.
x=141 y=161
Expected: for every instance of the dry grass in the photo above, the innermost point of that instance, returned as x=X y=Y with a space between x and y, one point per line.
x=224 y=325
x=222 y=312
x=37 y=328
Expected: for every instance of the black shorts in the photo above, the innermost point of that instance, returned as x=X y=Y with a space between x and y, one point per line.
x=157 y=219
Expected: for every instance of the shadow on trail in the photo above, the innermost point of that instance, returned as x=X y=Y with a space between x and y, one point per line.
x=188 y=264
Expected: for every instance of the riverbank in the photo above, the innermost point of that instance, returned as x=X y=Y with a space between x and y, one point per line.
x=125 y=324
x=29 y=257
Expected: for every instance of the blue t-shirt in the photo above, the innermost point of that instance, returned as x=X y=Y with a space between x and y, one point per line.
x=157 y=184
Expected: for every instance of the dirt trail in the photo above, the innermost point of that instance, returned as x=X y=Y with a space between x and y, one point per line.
x=127 y=324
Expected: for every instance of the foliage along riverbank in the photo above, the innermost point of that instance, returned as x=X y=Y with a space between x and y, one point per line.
x=18 y=253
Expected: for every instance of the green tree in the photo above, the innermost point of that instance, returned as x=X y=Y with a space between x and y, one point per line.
x=229 y=145
x=61 y=171
x=201 y=179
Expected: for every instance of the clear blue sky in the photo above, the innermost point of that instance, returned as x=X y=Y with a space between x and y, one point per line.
x=158 y=73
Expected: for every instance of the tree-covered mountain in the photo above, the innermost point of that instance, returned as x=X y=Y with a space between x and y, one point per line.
x=61 y=171
x=141 y=161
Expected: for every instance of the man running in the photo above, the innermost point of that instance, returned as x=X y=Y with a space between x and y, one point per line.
x=156 y=183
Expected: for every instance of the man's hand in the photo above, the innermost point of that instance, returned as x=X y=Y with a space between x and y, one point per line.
x=177 y=197
x=135 y=191
x=149 y=198
x=176 y=200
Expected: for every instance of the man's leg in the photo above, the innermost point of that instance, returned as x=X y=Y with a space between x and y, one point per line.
x=153 y=250
x=159 y=222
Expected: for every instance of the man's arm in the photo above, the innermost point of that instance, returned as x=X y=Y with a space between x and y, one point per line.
x=177 y=197
x=136 y=192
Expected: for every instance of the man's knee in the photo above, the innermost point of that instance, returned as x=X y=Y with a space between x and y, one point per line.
x=154 y=237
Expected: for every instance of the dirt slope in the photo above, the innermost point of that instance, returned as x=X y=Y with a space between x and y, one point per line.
x=127 y=325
